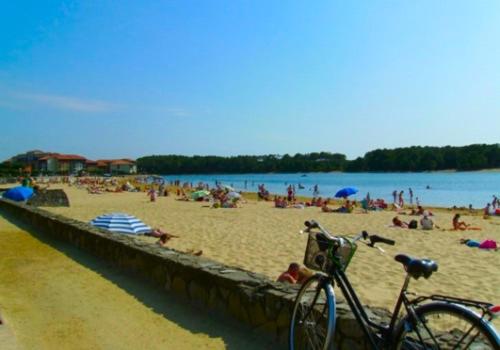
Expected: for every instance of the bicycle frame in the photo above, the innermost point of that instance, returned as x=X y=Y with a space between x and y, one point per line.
x=368 y=326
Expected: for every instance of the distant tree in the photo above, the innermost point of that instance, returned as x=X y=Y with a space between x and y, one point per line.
x=415 y=158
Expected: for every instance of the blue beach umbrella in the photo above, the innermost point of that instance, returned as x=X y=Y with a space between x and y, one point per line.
x=346 y=192
x=19 y=194
x=118 y=222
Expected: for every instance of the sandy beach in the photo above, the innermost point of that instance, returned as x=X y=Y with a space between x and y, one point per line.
x=261 y=238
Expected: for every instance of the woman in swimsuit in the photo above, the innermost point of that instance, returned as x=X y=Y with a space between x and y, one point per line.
x=459 y=225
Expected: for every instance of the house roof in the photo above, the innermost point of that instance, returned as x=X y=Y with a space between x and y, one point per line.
x=122 y=162
x=64 y=157
x=102 y=162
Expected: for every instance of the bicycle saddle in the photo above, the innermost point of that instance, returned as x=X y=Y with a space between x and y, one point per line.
x=417 y=267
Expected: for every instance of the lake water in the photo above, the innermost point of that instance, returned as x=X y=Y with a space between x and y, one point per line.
x=446 y=189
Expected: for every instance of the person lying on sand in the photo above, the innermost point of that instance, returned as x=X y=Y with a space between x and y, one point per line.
x=421 y=211
x=164 y=238
x=398 y=223
x=157 y=232
x=486 y=244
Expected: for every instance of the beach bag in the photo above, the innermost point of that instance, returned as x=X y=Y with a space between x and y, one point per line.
x=413 y=224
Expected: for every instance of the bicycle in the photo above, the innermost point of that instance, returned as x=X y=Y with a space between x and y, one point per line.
x=431 y=322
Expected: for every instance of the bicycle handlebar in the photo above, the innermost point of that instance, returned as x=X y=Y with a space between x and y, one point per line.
x=363 y=235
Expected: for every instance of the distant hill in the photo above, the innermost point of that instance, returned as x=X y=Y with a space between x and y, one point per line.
x=407 y=159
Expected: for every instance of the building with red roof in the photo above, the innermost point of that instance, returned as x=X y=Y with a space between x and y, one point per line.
x=57 y=163
x=117 y=166
x=62 y=163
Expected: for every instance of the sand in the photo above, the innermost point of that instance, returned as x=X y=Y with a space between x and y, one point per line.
x=53 y=296
x=264 y=239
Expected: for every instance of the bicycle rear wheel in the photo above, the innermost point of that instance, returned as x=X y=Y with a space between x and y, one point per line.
x=313 y=317
x=445 y=326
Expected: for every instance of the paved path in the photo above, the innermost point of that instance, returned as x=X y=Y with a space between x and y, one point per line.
x=52 y=296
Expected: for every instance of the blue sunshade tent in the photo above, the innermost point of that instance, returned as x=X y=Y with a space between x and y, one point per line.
x=119 y=222
x=19 y=193
x=346 y=192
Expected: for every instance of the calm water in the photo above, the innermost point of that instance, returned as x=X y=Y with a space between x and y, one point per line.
x=446 y=189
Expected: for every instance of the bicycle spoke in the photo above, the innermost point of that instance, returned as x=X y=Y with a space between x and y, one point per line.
x=446 y=327
x=310 y=319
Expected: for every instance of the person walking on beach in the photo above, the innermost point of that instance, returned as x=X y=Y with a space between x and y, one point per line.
x=394 y=195
x=401 y=200
x=411 y=195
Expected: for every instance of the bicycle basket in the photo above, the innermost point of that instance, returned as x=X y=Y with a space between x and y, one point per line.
x=322 y=254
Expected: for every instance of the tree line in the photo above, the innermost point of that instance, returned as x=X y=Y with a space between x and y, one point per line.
x=414 y=159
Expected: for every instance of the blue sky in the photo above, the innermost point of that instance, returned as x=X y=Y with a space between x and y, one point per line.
x=131 y=78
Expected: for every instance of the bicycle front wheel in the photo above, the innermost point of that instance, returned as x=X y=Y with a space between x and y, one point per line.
x=313 y=317
x=445 y=326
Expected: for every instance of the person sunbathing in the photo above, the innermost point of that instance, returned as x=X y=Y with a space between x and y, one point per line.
x=304 y=274
x=326 y=209
x=157 y=232
x=427 y=224
x=459 y=225
x=291 y=275
x=346 y=208
x=486 y=244
x=398 y=223
x=280 y=203
x=164 y=238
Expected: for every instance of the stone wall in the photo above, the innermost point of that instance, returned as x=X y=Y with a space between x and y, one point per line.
x=249 y=297
x=49 y=198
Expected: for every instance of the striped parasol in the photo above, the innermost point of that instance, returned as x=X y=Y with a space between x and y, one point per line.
x=119 y=222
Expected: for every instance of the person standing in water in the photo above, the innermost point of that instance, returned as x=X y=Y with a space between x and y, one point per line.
x=401 y=200
x=410 y=191
x=394 y=195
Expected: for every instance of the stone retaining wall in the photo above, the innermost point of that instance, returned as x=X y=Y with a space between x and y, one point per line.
x=249 y=297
